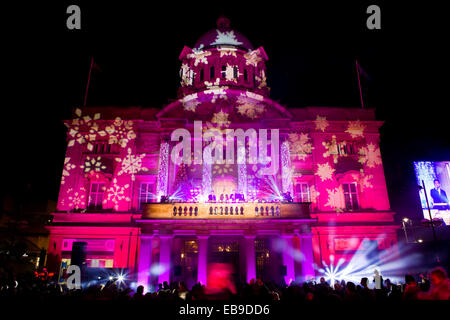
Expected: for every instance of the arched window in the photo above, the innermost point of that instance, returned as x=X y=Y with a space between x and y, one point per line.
x=202 y=74
x=245 y=75
x=235 y=72
x=212 y=74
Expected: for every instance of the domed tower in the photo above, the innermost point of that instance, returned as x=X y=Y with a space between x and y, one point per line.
x=223 y=58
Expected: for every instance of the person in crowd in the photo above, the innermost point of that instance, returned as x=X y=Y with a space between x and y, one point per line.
x=411 y=288
x=440 y=286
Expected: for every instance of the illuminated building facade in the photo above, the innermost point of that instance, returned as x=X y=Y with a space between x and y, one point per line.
x=119 y=168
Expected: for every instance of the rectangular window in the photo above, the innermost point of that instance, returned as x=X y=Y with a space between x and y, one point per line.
x=146 y=194
x=96 y=195
x=235 y=72
x=212 y=73
x=350 y=196
x=224 y=72
x=302 y=192
x=102 y=147
x=201 y=74
x=245 y=75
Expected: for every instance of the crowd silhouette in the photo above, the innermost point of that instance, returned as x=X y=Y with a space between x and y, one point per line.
x=434 y=286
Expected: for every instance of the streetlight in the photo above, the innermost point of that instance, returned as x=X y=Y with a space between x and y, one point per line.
x=404 y=221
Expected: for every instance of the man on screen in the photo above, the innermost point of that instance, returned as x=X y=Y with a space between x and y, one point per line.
x=440 y=200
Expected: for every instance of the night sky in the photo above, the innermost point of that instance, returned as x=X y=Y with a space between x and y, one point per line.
x=311 y=48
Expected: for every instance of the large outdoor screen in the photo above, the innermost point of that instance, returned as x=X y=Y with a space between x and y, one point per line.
x=436 y=178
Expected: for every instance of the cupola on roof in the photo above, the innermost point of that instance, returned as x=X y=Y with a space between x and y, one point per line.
x=223 y=36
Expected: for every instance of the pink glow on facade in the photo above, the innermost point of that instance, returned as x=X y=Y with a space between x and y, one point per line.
x=117 y=167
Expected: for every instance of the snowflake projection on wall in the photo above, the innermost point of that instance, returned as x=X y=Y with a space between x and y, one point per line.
x=253 y=57
x=370 y=155
x=116 y=194
x=314 y=194
x=83 y=136
x=335 y=199
x=262 y=79
x=85 y=130
x=93 y=164
x=254 y=96
x=222 y=169
x=325 y=171
x=120 y=132
x=227 y=37
x=131 y=164
x=331 y=149
x=229 y=73
x=364 y=179
x=248 y=108
x=227 y=52
x=211 y=84
x=217 y=93
x=299 y=145
x=186 y=75
x=321 y=123
x=190 y=102
x=77 y=199
x=199 y=56
x=355 y=128
x=66 y=169
x=221 y=119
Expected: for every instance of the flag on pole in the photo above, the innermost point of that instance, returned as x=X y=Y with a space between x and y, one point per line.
x=361 y=71
x=94 y=66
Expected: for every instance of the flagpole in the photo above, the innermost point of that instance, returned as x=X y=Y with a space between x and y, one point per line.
x=89 y=80
x=359 y=84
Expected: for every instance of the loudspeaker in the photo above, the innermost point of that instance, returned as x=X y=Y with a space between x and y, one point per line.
x=177 y=271
x=283 y=270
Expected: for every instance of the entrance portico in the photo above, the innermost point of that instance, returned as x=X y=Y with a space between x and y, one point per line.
x=254 y=246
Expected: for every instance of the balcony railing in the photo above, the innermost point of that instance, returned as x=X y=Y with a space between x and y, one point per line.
x=226 y=211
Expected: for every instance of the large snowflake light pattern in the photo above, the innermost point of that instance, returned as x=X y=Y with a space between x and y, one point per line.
x=77 y=199
x=335 y=199
x=226 y=37
x=86 y=130
x=248 y=108
x=66 y=169
x=325 y=171
x=93 y=164
x=131 y=164
x=321 y=123
x=116 y=194
x=355 y=129
x=370 y=155
x=120 y=132
x=331 y=149
x=220 y=118
x=299 y=145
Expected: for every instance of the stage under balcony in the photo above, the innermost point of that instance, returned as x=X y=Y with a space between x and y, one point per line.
x=226 y=218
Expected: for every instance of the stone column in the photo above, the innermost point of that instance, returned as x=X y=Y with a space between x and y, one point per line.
x=145 y=262
x=250 y=257
x=202 y=259
x=286 y=169
x=306 y=248
x=163 y=170
x=165 y=252
x=288 y=258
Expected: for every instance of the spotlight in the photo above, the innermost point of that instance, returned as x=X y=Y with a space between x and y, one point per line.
x=120 y=278
x=419 y=240
x=405 y=219
x=111 y=278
